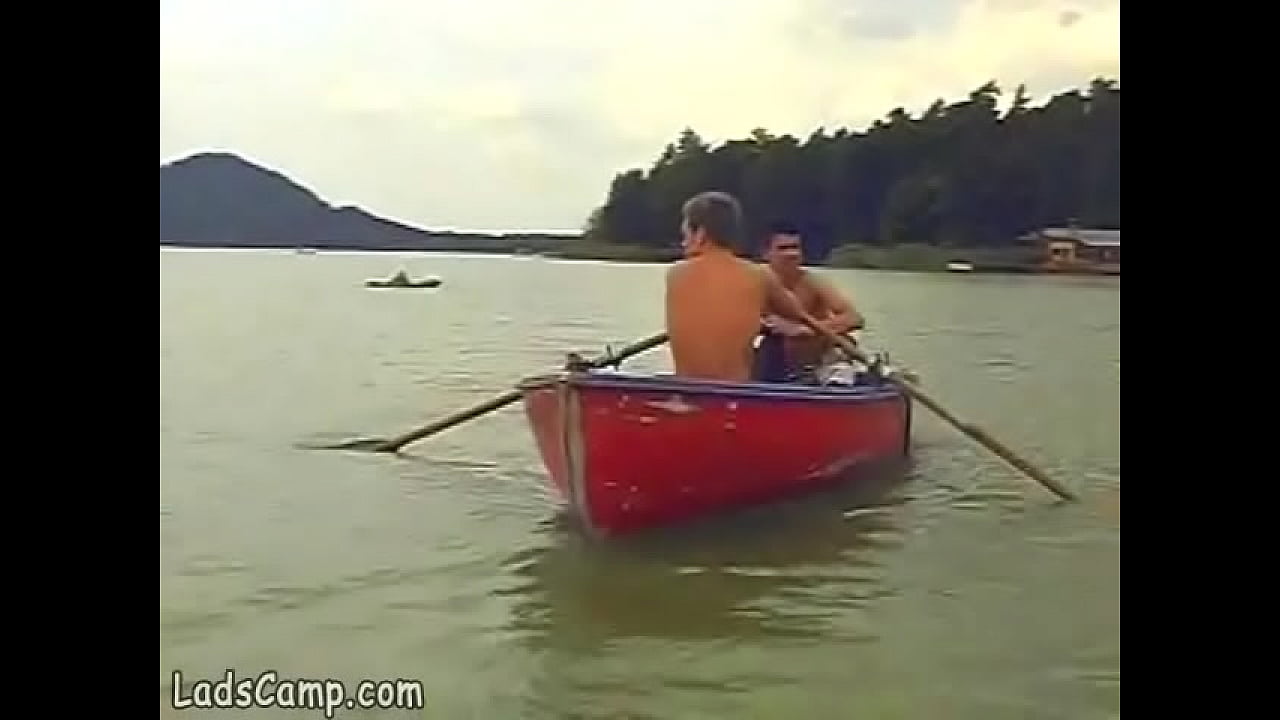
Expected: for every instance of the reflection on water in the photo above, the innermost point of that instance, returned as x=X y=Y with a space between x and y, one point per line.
x=689 y=617
x=731 y=577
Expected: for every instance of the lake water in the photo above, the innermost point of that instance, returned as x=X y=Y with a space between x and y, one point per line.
x=954 y=587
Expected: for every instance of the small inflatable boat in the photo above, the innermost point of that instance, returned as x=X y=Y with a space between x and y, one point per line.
x=401 y=280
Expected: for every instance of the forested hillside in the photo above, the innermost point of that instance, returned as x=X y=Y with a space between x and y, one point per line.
x=959 y=174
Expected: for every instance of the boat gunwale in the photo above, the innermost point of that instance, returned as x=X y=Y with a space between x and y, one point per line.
x=693 y=386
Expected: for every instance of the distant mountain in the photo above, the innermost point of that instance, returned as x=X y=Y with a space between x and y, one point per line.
x=221 y=200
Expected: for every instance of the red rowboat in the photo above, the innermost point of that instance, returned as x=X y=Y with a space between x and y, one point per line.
x=631 y=452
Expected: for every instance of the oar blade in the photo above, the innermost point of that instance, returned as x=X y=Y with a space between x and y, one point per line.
x=358 y=444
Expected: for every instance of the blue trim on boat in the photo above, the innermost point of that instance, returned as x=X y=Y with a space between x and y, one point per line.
x=752 y=391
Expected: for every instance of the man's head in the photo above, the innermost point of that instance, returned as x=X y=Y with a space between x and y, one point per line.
x=710 y=219
x=782 y=248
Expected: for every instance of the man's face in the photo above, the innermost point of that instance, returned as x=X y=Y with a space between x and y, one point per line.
x=784 y=251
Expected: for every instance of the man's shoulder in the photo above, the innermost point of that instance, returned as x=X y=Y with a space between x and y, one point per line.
x=759 y=272
x=717 y=265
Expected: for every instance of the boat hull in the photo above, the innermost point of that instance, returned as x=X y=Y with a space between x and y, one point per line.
x=632 y=452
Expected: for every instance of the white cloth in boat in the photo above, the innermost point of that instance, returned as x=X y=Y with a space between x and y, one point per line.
x=836 y=369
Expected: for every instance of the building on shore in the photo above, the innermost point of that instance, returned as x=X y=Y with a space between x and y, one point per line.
x=1078 y=250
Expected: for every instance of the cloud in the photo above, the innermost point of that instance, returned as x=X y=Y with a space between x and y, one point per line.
x=516 y=113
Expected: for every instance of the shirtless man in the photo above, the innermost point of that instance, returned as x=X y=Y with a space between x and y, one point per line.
x=714 y=299
x=800 y=347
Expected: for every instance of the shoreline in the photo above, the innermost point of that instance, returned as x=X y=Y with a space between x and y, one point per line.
x=900 y=258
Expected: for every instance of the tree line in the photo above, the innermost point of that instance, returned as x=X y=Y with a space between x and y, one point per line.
x=957 y=175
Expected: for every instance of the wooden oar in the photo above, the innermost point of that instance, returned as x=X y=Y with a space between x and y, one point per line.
x=973 y=431
x=394 y=444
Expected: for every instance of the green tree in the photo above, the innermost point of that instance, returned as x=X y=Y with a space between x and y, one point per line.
x=958 y=174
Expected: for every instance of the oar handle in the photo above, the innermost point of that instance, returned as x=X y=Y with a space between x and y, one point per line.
x=631 y=350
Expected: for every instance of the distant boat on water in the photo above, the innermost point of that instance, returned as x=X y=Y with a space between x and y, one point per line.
x=401 y=280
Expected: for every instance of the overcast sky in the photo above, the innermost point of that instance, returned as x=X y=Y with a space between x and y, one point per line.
x=515 y=114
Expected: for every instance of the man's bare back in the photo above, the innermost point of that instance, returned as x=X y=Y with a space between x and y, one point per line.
x=715 y=300
x=714 y=305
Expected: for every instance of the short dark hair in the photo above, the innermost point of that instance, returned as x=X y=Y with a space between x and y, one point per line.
x=783 y=227
x=774 y=229
x=719 y=214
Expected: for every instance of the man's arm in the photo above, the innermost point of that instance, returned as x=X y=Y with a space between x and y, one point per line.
x=843 y=316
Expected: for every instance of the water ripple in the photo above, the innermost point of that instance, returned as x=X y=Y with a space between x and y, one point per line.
x=936 y=592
